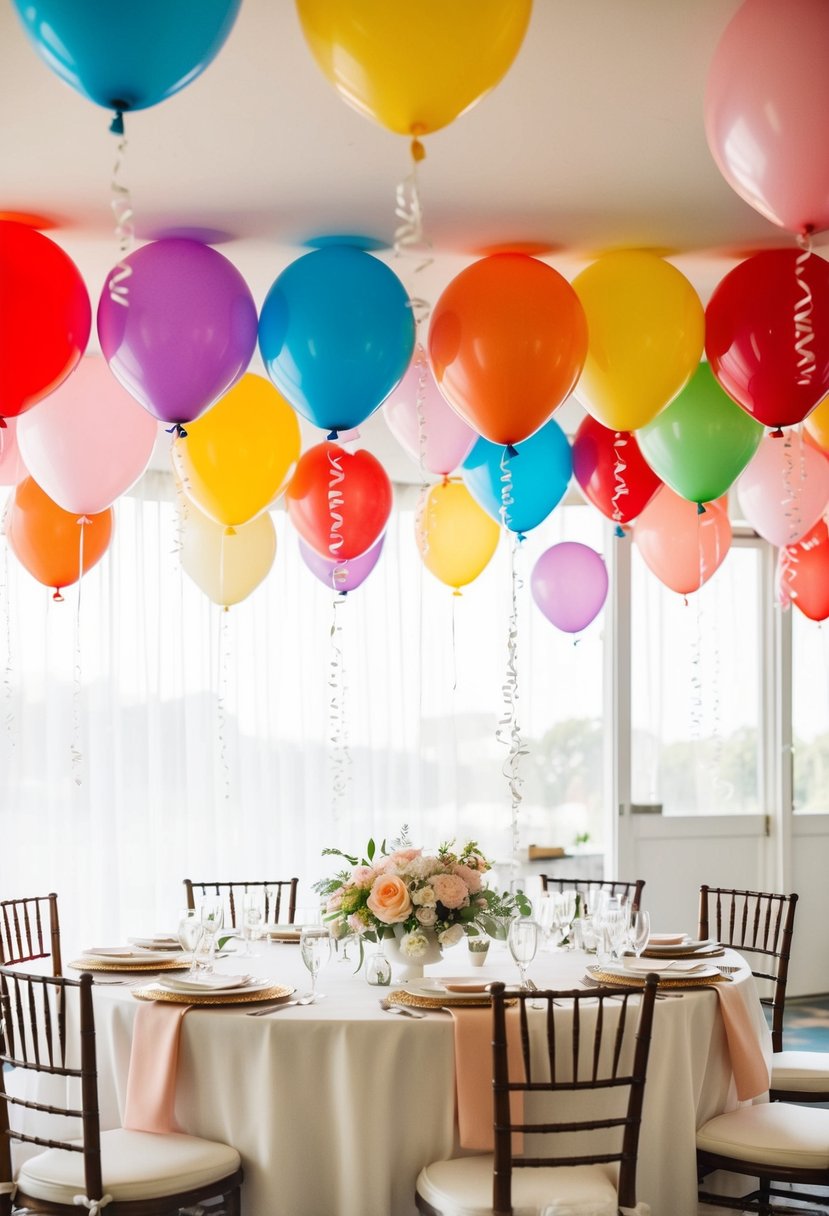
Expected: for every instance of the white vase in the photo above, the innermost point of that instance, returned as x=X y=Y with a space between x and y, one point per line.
x=407 y=967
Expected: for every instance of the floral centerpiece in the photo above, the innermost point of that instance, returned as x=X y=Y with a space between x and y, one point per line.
x=416 y=897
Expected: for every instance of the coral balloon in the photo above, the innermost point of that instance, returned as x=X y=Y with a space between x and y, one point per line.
x=507 y=342
x=569 y=584
x=767 y=335
x=702 y=441
x=341 y=576
x=785 y=488
x=227 y=568
x=612 y=472
x=339 y=502
x=237 y=457
x=414 y=76
x=455 y=536
x=336 y=334
x=47 y=540
x=804 y=573
x=681 y=547
x=88 y=442
x=767 y=109
x=647 y=327
x=45 y=317
x=424 y=424
x=132 y=55
x=12 y=468
x=188 y=332
x=539 y=474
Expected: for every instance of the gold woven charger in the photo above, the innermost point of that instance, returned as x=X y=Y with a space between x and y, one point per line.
x=595 y=974
x=441 y=1000
x=131 y=964
x=275 y=992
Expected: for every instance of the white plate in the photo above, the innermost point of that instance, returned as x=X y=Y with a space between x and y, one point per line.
x=701 y=971
x=438 y=988
x=669 y=939
x=118 y=954
x=222 y=984
x=166 y=941
x=688 y=946
x=283 y=933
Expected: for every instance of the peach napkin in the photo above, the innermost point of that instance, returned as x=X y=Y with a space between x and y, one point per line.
x=748 y=1063
x=151 y=1082
x=473 y=1074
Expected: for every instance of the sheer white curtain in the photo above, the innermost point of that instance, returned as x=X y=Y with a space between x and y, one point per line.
x=162 y=738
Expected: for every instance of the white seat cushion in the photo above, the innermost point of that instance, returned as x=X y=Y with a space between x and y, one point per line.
x=136 y=1165
x=772 y=1133
x=463 y=1187
x=804 y=1070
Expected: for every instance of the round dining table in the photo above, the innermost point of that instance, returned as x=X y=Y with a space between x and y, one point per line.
x=335 y=1106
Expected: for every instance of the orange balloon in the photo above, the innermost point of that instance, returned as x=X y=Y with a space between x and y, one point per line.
x=507 y=343
x=682 y=547
x=817 y=425
x=47 y=540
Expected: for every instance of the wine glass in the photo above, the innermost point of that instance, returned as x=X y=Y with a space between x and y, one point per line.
x=640 y=931
x=523 y=943
x=568 y=914
x=211 y=915
x=189 y=935
x=315 y=948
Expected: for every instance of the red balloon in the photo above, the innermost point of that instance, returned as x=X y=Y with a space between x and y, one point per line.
x=339 y=501
x=47 y=540
x=507 y=343
x=612 y=472
x=804 y=573
x=767 y=335
x=45 y=317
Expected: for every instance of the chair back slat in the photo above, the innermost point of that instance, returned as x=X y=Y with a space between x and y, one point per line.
x=30 y=931
x=608 y=1035
x=629 y=891
x=279 y=897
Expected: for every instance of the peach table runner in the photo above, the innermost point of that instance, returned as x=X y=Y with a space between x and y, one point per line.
x=473 y=1075
x=748 y=1061
x=151 y=1082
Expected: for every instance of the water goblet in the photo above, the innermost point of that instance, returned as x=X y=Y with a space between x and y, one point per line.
x=640 y=931
x=253 y=918
x=523 y=944
x=315 y=948
x=211 y=915
x=189 y=935
x=568 y=915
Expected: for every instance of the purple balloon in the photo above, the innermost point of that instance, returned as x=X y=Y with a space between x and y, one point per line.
x=569 y=584
x=341 y=576
x=186 y=331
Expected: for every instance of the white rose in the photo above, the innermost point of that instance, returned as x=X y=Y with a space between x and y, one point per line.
x=425 y=895
x=414 y=944
x=451 y=936
x=427 y=915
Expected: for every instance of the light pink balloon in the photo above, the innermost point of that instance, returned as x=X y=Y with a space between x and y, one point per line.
x=767 y=109
x=447 y=440
x=784 y=489
x=682 y=547
x=89 y=441
x=12 y=468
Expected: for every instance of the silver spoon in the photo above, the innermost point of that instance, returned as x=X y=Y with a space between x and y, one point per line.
x=299 y=1000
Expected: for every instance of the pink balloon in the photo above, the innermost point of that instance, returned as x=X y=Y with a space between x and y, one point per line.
x=569 y=585
x=446 y=439
x=342 y=576
x=680 y=546
x=88 y=441
x=784 y=489
x=767 y=110
x=12 y=468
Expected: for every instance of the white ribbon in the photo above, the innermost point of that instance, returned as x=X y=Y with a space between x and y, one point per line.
x=93 y=1206
x=8 y=1188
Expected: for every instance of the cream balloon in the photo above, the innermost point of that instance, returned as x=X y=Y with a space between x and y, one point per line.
x=227 y=567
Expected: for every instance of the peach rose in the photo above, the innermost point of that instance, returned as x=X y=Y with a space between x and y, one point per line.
x=471 y=877
x=399 y=859
x=450 y=890
x=389 y=899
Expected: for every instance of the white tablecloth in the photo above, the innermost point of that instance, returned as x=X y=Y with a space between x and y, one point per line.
x=336 y=1106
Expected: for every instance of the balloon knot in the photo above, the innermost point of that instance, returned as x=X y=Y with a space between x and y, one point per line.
x=457 y=592
x=343 y=594
x=418 y=151
x=512 y=450
x=57 y=597
x=619 y=531
x=230 y=530
x=700 y=509
x=685 y=600
x=3 y=424
x=176 y=429
x=83 y=519
x=777 y=433
x=332 y=434
x=226 y=608
x=117 y=124
x=519 y=536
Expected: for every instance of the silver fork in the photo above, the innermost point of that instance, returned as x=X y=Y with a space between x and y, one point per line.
x=405 y=1011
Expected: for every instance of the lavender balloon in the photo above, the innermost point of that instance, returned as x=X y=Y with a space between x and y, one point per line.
x=342 y=576
x=569 y=584
x=186 y=333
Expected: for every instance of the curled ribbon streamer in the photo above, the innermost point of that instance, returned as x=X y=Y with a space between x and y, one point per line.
x=804 y=330
x=75 y=749
x=409 y=239
x=93 y=1206
x=620 y=485
x=696 y=677
x=507 y=499
x=221 y=702
x=340 y=757
x=420 y=399
x=5 y=610
x=335 y=502
x=421 y=530
x=509 y=731
x=122 y=209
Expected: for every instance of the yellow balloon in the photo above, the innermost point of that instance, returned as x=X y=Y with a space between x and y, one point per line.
x=227 y=567
x=646 y=328
x=239 y=455
x=817 y=424
x=414 y=67
x=455 y=536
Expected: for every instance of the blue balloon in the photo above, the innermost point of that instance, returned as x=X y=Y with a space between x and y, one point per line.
x=128 y=54
x=337 y=334
x=540 y=470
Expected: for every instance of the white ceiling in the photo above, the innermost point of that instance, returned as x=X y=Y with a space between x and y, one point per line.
x=594 y=140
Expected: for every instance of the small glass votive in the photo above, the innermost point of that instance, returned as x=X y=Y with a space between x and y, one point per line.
x=583 y=935
x=378 y=969
x=478 y=950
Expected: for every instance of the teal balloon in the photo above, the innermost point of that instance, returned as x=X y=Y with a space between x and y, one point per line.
x=127 y=54
x=702 y=441
x=540 y=473
x=336 y=334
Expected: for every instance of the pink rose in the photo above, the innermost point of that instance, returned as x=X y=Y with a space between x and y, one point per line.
x=471 y=877
x=334 y=901
x=363 y=876
x=400 y=858
x=389 y=899
x=450 y=890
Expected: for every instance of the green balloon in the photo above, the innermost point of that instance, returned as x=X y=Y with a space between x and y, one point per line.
x=702 y=441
